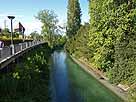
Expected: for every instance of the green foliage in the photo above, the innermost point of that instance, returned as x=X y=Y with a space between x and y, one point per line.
x=5 y=32
x=36 y=36
x=112 y=38
x=132 y=95
x=77 y=45
x=58 y=41
x=29 y=82
x=102 y=34
x=49 y=20
x=73 y=17
x=124 y=69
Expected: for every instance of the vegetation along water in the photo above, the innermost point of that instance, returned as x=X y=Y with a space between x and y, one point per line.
x=29 y=81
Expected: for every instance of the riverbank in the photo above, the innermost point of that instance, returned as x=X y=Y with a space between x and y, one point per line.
x=106 y=83
x=29 y=81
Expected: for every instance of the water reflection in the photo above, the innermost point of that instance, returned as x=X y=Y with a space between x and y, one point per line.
x=59 y=78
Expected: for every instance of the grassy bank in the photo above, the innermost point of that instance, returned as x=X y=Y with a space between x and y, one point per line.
x=29 y=81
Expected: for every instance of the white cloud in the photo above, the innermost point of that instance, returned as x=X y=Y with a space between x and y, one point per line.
x=32 y=26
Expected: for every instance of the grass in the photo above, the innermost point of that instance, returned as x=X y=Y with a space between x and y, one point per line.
x=89 y=87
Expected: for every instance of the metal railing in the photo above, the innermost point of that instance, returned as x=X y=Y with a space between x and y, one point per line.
x=9 y=51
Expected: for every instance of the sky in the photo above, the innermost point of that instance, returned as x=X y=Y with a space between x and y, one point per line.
x=26 y=10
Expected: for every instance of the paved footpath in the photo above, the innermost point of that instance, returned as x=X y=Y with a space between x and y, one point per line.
x=113 y=88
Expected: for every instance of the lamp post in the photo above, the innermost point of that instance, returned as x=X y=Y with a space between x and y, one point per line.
x=12 y=45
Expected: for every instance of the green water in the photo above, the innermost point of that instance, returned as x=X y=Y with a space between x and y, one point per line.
x=70 y=83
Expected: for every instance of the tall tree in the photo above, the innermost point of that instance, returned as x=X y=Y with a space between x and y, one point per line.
x=73 y=17
x=49 y=20
x=77 y=45
x=112 y=38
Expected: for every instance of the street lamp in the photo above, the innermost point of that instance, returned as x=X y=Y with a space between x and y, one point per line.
x=12 y=45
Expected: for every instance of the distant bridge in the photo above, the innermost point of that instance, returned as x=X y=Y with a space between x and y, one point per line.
x=10 y=53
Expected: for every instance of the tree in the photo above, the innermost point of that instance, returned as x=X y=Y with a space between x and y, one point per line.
x=59 y=41
x=124 y=70
x=73 y=17
x=36 y=36
x=49 y=20
x=112 y=38
x=77 y=45
x=6 y=32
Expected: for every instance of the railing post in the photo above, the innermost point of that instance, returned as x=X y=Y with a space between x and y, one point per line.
x=32 y=43
x=12 y=49
x=29 y=44
x=25 y=45
x=21 y=47
x=0 y=53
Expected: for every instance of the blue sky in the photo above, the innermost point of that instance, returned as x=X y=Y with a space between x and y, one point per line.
x=25 y=10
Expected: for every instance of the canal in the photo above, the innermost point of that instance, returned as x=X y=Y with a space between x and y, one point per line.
x=70 y=83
